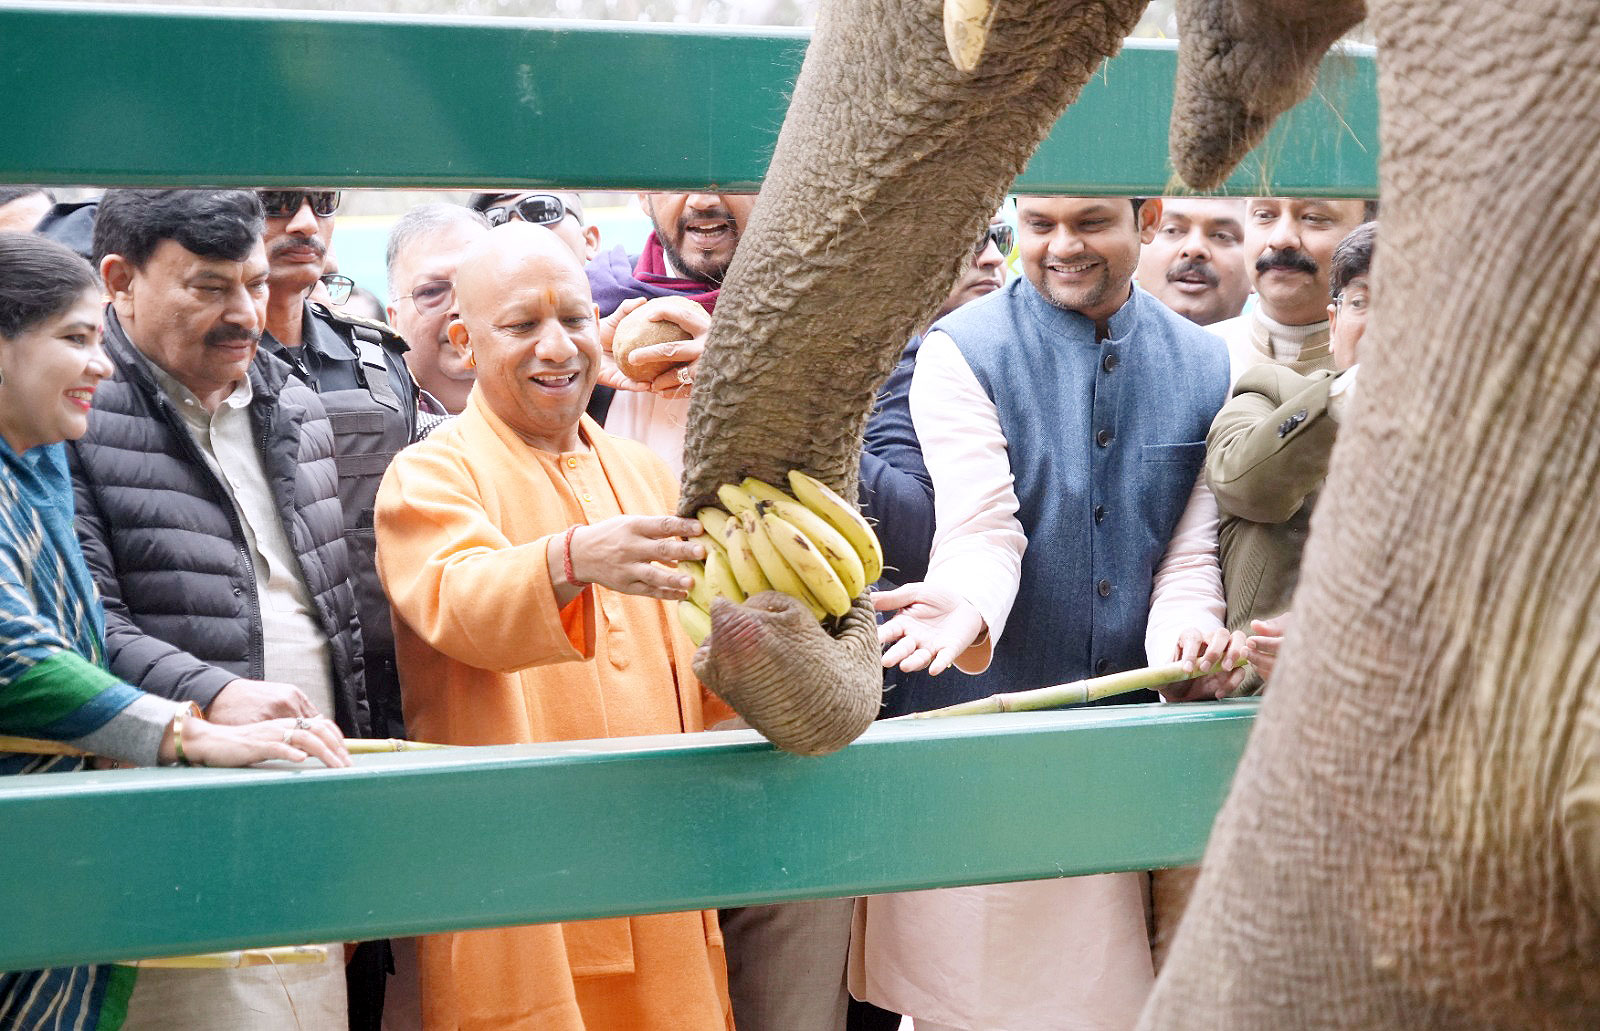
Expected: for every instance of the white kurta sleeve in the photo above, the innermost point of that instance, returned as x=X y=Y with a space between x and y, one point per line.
x=977 y=540
x=1187 y=588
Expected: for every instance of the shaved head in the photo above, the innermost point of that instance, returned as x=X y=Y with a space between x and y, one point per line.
x=529 y=326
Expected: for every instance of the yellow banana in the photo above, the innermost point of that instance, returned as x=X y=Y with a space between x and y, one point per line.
x=808 y=563
x=735 y=500
x=761 y=490
x=711 y=521
x=842 y=516
x=746 y=569
x=720 y=578
x=700 y=593
x=695 y=622
x=782 y=577
x=826 y=538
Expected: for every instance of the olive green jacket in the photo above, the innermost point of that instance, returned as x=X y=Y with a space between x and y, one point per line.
x=1266 y=457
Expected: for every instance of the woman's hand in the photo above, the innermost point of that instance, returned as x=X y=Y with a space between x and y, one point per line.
x=933 y=627
x=294 y=739
x=1219 y=650
x=624 y=553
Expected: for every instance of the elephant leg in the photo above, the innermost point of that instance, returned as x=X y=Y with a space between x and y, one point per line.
x=1409 y=840
x=888 y=166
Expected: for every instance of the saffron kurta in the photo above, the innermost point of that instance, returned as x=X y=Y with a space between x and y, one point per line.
x=486 y=657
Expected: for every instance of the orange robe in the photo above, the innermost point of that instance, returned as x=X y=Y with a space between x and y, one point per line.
x=486 y=658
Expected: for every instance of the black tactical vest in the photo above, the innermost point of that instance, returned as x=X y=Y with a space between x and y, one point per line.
x=357 y=368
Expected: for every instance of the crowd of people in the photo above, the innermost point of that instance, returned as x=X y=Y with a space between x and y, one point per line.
x=240 y=522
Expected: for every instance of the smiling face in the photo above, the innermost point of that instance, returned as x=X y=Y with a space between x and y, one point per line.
x=51 y=371
x=528 y=321
x=432 y=258
x=699 y=231
x=198 y=318
x=1288 y=243
x=1195 y=263
x=1081 y=252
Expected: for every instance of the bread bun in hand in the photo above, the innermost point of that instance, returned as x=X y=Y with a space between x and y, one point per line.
x=637 y=329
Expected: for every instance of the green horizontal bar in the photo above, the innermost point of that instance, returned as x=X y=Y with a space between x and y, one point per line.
x=122 y=96
x=122 y=864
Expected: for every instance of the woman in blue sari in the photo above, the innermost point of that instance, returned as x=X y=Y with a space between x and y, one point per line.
x=53 y=680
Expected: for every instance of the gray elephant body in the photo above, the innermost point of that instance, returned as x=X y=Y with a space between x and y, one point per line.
x=1413 y=839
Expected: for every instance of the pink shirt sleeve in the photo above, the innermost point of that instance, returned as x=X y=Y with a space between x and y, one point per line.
x=1187 y=588
x=977 y=540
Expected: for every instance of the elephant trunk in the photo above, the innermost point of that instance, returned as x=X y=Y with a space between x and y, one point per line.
x=888 y=167
x=1241 y=64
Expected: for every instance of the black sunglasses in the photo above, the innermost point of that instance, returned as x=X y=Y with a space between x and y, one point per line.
x=1002 y=235
x=286 y=203
x=539 y=208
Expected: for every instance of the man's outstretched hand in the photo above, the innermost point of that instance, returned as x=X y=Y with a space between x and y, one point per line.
x=934 y=625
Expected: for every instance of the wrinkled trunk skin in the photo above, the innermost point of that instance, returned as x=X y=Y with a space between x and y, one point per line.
x=888 y=166
x=1411 y=839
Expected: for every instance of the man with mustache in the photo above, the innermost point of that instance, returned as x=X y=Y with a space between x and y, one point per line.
x=686 y=256
x=1195 y=264
x=209 y=516
x=1288 y=244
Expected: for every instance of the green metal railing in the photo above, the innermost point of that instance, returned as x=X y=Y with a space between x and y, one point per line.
x=130 y=863
x=100 y=866
x=122 y=96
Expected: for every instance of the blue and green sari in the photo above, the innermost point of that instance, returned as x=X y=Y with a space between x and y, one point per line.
x=53 y=684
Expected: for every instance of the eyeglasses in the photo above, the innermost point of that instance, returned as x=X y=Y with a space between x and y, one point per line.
x=431 y=296
x=542 y=209
x=286 y=203
x=1356 y=300
x=1002 y=235
x=338 y=287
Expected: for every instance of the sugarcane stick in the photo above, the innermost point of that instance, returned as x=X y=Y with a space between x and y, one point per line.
x=355 y=745
x=1061 y=696
x=234 y=960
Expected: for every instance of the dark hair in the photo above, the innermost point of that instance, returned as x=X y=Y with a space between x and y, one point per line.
x=39 y=279
x=1369 y=211
x=1352 y=258
x=11 y=193
x=211 y=223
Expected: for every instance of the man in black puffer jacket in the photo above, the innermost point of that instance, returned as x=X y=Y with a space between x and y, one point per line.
x=206 y=486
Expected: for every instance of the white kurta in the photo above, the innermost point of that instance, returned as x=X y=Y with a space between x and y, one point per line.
x=1057 y=955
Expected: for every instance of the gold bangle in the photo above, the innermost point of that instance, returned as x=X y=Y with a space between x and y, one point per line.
x=177 y=732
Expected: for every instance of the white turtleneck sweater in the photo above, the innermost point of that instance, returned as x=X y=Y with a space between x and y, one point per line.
x=1255 y=339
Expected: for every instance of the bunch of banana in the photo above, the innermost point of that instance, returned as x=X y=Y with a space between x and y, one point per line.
x=812 y=545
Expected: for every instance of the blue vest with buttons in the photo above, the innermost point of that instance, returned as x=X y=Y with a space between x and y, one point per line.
x=1105 y=439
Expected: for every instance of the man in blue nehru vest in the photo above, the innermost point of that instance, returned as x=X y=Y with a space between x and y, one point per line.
x=1063 y=422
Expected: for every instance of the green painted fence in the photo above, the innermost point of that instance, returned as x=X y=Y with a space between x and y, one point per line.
x=127 y=863
x=122 y=96
x=99 y=866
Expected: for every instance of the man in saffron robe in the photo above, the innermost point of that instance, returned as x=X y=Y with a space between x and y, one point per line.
x=519 y=546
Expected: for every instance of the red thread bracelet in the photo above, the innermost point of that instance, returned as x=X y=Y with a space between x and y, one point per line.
x=566 y=558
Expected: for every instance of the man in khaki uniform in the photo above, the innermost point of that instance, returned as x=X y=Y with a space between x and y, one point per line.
x=1267 y=455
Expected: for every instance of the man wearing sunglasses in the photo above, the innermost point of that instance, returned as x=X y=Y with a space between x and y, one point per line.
x=560 y=211
x=359 y=369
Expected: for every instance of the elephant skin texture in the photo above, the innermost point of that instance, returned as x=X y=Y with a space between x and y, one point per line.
x=1413 y=837
x=887 y=168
